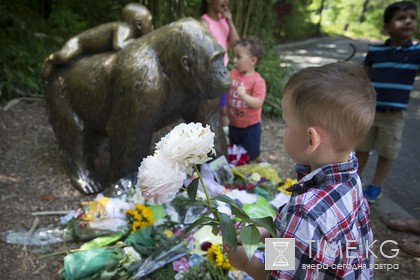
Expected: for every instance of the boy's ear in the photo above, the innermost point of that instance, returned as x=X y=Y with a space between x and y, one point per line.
x=314 y=138
x=254 y=60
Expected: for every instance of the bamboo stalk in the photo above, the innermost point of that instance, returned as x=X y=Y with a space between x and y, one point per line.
x=237 y=17
x=248 y=15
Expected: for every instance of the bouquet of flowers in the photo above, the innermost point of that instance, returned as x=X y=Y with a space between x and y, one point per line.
x=237 y=155
x=140 y=253
x=178 y=154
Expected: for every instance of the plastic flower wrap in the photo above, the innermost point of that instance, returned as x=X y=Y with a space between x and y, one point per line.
x=105 y=213
x=160 y=245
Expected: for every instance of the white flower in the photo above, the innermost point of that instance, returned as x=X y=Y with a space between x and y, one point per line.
x=136 y=197
x=116 y=208
x=160 y=199
x=111 y=224
x=187 y=143
x=131 y=254
x=159 y=177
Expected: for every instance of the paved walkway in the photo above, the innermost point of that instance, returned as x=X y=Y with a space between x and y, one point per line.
x=402 y=188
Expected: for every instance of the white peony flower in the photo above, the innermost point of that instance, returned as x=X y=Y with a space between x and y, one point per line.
x=160 y=199
x=187 y=143
x=158 y=177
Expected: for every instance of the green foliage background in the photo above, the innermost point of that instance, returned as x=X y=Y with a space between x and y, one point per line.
x=30 y=30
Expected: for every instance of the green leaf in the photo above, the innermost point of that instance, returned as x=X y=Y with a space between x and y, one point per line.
x=215 y=229
x=75 y=229
x=102 y=241
x=228 y=230
x=259 y=209
x=236 y=209
x=141 y=237
x=202 y=220
x=250 y=237
x=192 y=189
x=158 y=212
x=267 y=223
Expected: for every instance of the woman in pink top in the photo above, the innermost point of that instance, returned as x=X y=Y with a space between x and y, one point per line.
x=217 y=18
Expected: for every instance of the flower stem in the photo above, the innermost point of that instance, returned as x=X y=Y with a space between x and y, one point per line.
x=204 y=188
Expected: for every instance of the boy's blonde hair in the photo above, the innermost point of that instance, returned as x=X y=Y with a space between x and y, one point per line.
x=337 y=97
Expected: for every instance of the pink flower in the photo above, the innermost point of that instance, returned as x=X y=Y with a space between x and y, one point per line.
x=180 y=264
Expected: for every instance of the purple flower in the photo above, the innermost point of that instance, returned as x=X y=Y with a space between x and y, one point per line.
x=181 y=264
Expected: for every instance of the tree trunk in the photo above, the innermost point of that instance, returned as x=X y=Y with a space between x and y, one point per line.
x=321 y=9
x=362 y=13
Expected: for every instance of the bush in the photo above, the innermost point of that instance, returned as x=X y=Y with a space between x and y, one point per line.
x=275 y=77
x=20 y=53
x=29 y=32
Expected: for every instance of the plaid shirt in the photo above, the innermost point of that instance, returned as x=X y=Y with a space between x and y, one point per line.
x=327 y=209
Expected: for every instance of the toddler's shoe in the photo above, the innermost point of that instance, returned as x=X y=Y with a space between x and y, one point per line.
x=372 y=193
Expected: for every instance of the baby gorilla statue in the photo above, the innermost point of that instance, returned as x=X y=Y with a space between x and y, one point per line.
x=136 y=21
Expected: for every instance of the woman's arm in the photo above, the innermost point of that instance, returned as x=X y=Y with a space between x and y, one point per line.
x=233 y=34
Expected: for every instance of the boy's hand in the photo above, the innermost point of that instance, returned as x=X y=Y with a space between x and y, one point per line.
x=237 y=258
x=226 y=248
x=241 y=90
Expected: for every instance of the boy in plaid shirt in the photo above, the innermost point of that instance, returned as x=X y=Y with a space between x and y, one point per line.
x=327 y=111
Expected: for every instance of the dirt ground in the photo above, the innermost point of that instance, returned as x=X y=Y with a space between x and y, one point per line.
x=32 y=179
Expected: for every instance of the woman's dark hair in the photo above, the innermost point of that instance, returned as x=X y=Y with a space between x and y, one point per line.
x=397 y=6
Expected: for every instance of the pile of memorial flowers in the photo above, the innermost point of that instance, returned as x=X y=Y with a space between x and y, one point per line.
x=174 y=220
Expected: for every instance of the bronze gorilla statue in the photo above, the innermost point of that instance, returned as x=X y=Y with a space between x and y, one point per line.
x=122 y=97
